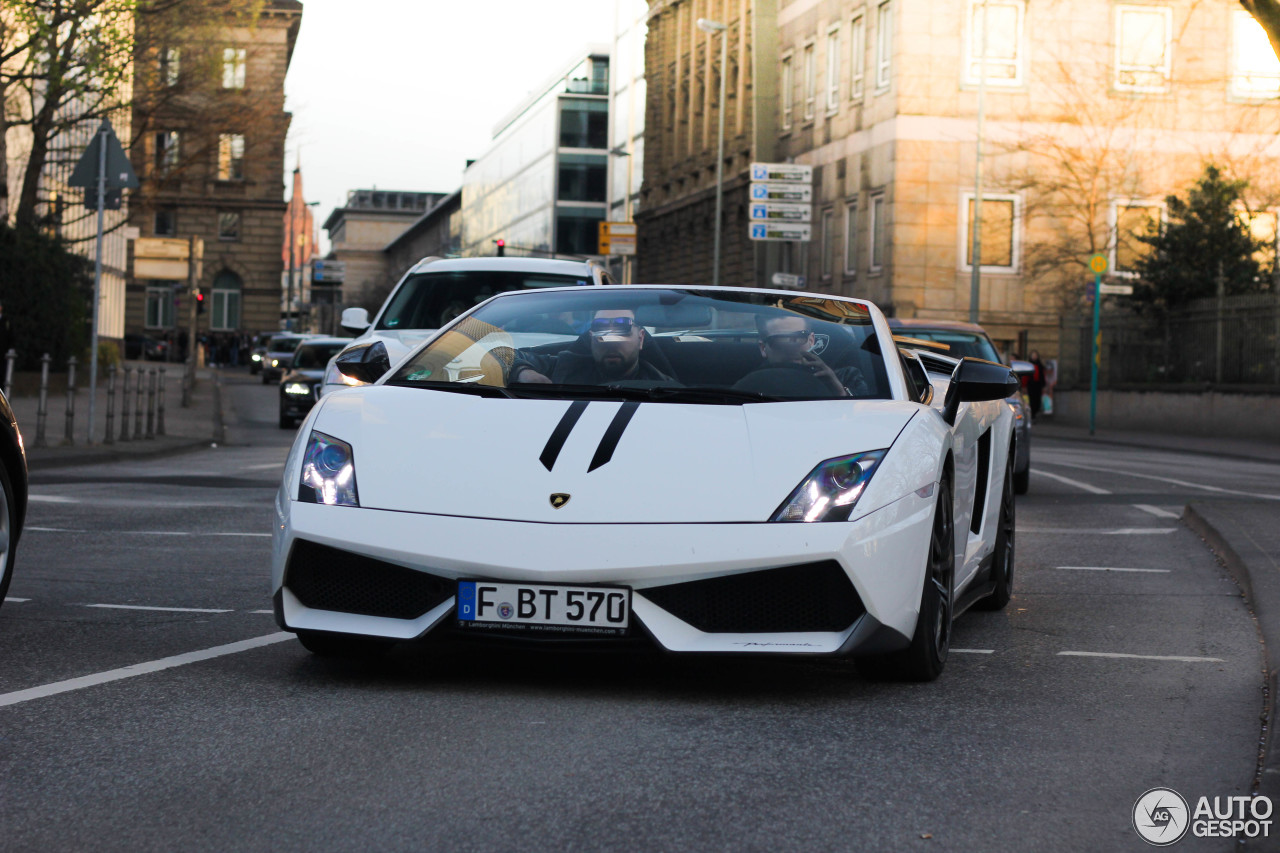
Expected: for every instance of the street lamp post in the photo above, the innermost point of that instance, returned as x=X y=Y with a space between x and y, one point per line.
x=708 y=26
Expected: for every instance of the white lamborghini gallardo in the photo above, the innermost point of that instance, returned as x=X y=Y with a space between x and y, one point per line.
x=720 y=470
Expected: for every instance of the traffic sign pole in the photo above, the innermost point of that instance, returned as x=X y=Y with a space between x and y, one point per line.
x=97 y=279
x=1098 y=263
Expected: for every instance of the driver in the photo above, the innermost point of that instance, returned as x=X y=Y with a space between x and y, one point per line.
x=616 y=342
x=786 y=341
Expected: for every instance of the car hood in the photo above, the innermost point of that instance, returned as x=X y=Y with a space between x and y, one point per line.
x=458 y=454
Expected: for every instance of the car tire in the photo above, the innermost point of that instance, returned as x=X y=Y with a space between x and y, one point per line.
x=325 y=644
x=8 y=543
x=1022 y=481
x=926 y=657
x=1003 y=553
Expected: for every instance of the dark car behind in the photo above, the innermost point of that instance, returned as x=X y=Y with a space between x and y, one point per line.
x=299 y=388
x=279 y=356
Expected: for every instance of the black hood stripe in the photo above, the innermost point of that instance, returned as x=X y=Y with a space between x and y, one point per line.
x=561 y=434
x=613 y=435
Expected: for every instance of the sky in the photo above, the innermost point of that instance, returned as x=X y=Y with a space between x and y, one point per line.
x=399 y=94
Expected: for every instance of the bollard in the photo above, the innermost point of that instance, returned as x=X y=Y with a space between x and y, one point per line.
x=10 y=357
x=42 y=412
x=160 y=406
x=137 y=406
x=151 y=403
x=107 y=437
x=124 y=405
x=71 y=401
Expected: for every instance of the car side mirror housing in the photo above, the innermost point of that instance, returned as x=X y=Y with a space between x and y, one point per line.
x=355 y=319
x=364 y=363
x=974 y=381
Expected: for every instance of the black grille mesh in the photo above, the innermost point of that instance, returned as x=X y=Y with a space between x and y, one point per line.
x=808 y=597
x=325 y=578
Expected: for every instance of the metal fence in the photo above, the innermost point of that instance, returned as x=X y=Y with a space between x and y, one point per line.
x=1228 y=343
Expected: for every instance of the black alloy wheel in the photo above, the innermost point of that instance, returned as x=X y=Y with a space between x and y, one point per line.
x=1003 y=553
x=8 y=531
x=925 y=658
x=326 y=644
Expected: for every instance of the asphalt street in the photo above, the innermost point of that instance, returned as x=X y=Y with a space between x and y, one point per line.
x=148 y=700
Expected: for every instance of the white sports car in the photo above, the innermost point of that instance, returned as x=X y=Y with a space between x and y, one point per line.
x=705 y=469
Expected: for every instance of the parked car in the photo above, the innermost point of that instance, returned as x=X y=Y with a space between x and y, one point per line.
x=145 y=347
x=299 y=388
x=435 y=291
x=969 y=340
x=13 y=492
x=279 y=355
x=644 y=481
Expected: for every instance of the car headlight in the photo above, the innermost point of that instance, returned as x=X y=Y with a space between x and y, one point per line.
x=334 y=376
x=328 y=472
x=256 y=356
x=831 y=490
x=300 y=388
x=275 y=362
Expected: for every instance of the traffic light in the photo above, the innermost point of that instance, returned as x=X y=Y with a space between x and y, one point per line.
x=199 y=302
x=502 y=247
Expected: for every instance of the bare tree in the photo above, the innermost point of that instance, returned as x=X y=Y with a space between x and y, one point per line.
x=1267 y=13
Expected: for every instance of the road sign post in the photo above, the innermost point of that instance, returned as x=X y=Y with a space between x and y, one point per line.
x=1098 y=263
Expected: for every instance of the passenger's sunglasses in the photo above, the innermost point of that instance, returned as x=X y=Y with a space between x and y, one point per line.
x=612 y=326
x=787 y=338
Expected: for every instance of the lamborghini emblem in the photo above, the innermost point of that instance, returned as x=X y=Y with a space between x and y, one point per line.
x=559 y=499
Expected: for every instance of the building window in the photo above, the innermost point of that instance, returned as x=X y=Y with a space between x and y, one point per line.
x=230 y=156
x=1255 y=71
x=876 y=233
x=1003 y=39
x=226 y=302
x=578 y=230
x=1143 y=48
x=851 y=239
x=828 y=238
x=833 y=70
x=584 y=123
x=160 y=306
x=583 y=177
x=165 y=223
x=1131 y=219
x=233 y=68
x=170 y=66
x=810 y=80
x=884 y=45
x=788 y=91
x=229 y=225
x=166 y=151
x=857 y=55
x=1000 y=243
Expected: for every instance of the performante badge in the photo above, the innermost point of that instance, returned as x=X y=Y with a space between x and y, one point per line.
x=559 y=499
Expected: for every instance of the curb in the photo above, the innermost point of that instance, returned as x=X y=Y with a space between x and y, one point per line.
x=1267 y=780
x=67 y=460
x=1117 y=442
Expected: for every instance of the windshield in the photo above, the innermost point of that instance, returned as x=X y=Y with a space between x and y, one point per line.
x=284 y=344
x=431 y=300
x=664 y=345
x=960 y=344
x=316 y=356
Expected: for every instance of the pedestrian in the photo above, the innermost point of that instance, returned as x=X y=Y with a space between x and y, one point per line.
x=1035 y=384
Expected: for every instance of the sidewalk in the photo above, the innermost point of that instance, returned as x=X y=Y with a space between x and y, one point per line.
x=1236 y=448
x=185 y=429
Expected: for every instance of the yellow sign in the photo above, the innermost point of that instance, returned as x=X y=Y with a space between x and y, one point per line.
x=1098 y=263
x=617 y=238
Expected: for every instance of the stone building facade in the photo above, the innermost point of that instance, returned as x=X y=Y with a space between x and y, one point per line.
x=209 y=129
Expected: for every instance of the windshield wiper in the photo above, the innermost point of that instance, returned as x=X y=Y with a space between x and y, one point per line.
x=701 y=394
x=473 y=388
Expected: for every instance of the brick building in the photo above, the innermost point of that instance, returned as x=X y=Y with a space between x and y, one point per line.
x=210 y=124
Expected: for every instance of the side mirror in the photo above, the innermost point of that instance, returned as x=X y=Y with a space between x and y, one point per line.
x=355 y=319
x=975 y=381
x=364 y=363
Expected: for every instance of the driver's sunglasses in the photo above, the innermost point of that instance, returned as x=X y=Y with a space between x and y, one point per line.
x=787 y=338
x=612 y=326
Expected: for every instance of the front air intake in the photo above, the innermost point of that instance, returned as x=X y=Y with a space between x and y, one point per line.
x=325 y=578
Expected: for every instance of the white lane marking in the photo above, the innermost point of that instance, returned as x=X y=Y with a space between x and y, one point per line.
x=1122 y=531
x=232 y=534
x=139 y=669
x=1070 y=482
x=1189 y=485
x=1108 y=569
x=52 y=499
x=166 y=609
x=973 y=651
x=264 y=467
x=271 y=612
x=15 y=600
x=52 y=530
x=1140 y=657
x=1157 y=511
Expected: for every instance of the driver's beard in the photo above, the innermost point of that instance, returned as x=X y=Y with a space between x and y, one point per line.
x=616 y=369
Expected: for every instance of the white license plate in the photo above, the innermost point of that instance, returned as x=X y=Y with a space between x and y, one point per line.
x=599 y=610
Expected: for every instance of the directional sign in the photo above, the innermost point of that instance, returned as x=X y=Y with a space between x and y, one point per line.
x=786 y=279
x=120 y=174
x=780 y=231
x=778 y=211
x=790 y=173
x=328 y=271
x=1116 y=289
x=617 y=238
x=802 y=193
x=162 y=248
x=160 y=268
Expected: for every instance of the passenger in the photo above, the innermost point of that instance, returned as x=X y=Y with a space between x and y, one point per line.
x=786 y=341
x=616 y=344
